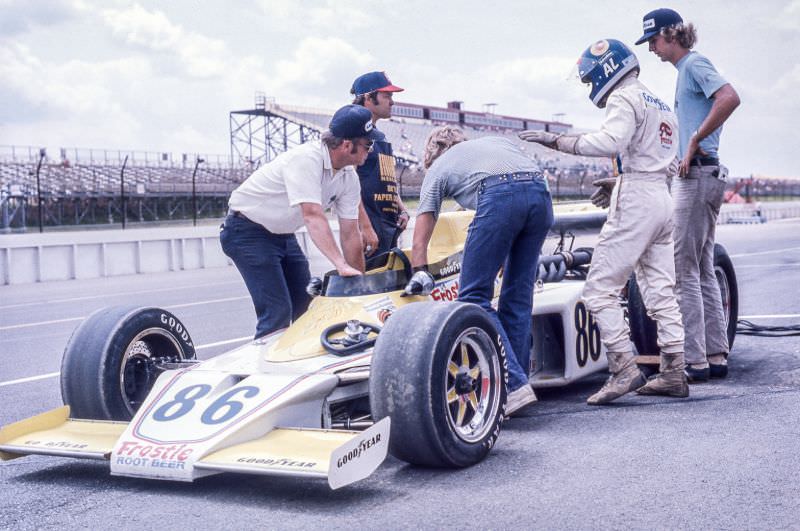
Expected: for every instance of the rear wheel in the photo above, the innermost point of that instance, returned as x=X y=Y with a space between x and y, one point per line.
x=438 y=372
x=643 y=329
x=111 y=361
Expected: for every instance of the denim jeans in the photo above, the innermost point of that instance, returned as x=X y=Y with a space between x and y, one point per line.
x=511 y=222
x=697 y=202
x=274 y=269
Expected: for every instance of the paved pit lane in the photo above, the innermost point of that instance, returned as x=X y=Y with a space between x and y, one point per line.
x=725 y=458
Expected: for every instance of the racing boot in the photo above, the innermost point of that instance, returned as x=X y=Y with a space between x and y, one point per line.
x=671 y=380
x=625 y=377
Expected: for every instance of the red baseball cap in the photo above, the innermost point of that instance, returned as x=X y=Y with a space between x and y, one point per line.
x=371 y=82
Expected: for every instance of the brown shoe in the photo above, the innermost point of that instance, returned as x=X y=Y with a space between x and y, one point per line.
x=625 y=377
x=671 y=381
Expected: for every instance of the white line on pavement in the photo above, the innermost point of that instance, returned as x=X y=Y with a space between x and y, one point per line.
x=741 y=255
x=105 y=295
x=55 y=374
x=772 y=316
x=56 y=321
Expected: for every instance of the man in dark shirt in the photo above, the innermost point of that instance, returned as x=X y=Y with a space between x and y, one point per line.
x=382 y=215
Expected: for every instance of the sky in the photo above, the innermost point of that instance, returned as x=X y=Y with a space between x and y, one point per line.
x=163 y=76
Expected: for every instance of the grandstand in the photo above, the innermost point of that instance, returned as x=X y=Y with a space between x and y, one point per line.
x=102 y=187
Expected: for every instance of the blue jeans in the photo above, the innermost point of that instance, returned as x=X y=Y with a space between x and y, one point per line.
x=510 y=225
x=274 y=269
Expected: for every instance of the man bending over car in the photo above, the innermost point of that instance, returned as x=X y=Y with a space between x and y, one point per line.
x=513 y=213
x=282 y=196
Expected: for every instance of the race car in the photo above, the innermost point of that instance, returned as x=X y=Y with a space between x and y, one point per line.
x=365 y=371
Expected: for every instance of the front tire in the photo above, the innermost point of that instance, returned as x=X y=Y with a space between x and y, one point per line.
x=108 y=365
x=439 y=373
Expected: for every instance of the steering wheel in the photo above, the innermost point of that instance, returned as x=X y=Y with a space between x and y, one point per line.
x=357 y=336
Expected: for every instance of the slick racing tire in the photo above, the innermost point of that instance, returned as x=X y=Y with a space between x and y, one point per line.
x=108 y=367
x=439 y=374
x=643 y=329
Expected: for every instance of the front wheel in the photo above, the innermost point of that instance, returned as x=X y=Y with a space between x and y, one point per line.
x=111 y=361
x=439 y=373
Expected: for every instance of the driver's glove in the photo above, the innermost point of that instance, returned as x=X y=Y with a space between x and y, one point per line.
x=314 y=286
x=420 y=284
x=602 y=196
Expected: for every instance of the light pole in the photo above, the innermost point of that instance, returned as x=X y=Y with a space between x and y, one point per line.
x=122 y=190
x=42 y=155
x=197 y=163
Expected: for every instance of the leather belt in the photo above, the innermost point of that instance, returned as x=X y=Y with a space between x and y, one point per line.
x=237 y=214
x=522 y=176
x=704 y=161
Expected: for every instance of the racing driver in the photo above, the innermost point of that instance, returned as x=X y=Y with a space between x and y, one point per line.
x=640 y=131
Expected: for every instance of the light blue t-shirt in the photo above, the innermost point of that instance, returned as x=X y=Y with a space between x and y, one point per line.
x=458 y=172
x=698 y=80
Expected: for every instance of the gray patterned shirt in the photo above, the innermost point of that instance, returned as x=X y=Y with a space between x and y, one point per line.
x=458 y=172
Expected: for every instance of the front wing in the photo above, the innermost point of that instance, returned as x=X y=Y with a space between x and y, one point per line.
x=251 y=441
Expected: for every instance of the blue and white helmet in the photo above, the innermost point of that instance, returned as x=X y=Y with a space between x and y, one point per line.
x=603 y=65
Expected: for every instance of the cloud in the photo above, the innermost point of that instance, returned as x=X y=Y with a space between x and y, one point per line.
x=192 y=53
x=790 y=16
x=319 y=69
x=18 y=16
x=345 y=15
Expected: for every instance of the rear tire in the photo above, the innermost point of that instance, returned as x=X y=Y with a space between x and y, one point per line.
x=439 y=373
x=107 y=369
x=643 y=329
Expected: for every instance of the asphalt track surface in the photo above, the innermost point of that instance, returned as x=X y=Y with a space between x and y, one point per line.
x=725 y=458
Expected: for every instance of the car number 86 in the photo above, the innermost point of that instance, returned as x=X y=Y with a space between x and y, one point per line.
x=587 y=340
x=221 y=410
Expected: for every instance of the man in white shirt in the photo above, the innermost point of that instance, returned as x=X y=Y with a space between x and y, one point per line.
x=287 y=193
x=641 y=132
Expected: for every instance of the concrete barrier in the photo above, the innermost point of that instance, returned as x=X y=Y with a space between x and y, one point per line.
x=42 y=257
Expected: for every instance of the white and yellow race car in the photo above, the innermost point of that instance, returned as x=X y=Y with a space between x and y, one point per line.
x=362 y=373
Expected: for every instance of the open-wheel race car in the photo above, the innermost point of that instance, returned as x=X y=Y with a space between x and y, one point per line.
x=363 y=372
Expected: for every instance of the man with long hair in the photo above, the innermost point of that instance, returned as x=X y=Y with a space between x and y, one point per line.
x=704 y=100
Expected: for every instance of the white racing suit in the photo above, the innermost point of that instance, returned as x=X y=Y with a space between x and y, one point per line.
x=638 y=233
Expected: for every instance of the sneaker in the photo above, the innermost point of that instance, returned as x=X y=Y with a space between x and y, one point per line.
x=697 y=372
x=519 y=398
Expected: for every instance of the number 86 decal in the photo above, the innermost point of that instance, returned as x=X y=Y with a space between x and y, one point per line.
x=587 y=341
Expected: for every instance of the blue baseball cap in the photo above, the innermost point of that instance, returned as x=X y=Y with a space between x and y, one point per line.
x=371 y=82
x=654 y=21
x=353 y=121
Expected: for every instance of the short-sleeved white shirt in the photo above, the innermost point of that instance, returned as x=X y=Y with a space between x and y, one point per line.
x=271 y=196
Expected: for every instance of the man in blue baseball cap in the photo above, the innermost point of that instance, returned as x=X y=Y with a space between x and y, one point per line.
x=382 y=216
x=704 y=100
x=289 y=192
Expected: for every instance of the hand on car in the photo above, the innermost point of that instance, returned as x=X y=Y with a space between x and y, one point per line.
x=420 y=284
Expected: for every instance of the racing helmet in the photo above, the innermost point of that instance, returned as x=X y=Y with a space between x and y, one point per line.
x=603 y=65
